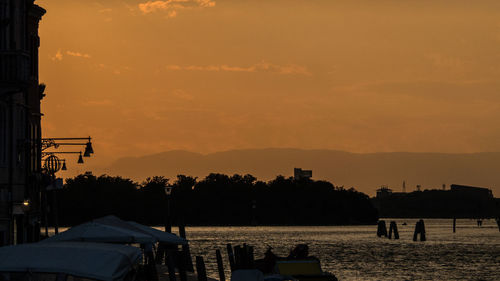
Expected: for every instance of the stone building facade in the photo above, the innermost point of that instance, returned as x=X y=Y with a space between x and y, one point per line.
x=20 y=131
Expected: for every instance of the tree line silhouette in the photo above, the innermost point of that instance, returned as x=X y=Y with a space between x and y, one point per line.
x=217 y=199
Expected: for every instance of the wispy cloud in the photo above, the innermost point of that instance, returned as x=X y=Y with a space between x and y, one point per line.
x=78 y=54
x=116 y=70
x=170 y=7
x=258 y=67
x=104 y=102
x=107 y=10
x=183 y=95
x=447 y=62
x=58 y=56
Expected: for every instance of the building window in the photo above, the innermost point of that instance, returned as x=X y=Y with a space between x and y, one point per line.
x=21 y=135
x=34 y=150
x=3 y=134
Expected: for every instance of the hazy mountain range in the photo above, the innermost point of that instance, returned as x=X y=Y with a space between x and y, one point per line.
x=365 y=172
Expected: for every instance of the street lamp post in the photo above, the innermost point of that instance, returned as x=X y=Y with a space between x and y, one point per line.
x=168 y=220
x=53 y=164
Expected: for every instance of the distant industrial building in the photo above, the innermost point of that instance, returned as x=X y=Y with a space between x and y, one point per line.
x=473 y=190
x=459 y=201
x=299 y=174
x=384 y=192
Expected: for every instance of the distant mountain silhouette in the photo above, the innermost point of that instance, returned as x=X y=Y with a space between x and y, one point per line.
x=365 y=172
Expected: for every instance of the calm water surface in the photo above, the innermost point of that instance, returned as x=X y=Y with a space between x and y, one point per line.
x=356 y=253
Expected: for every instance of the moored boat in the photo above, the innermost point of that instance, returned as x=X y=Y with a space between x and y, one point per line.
x=69 y=261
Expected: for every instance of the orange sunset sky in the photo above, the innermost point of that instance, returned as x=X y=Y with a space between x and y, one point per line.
x=142 y=77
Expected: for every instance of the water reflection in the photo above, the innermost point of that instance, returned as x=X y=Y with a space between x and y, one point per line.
x=356 y=253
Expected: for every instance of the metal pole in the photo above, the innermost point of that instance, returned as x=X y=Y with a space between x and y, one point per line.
x=54 y=206
x=11 y=167
x=45 y=211
x=168 y=221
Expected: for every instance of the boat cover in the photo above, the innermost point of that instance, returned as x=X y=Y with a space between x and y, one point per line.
x=96 y=232
x=107 y=262
x=165 y=237
x=162 y=236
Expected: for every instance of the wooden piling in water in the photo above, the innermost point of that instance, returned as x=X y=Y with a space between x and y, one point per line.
x=237 y=257
x=200 y=269
x=183 y=264
x=230 y=255
x=151 y=265
x=454 y=224
x=422 y=231
x=220 y=265
x=185 y=248
x=160 y=253
x=244 y=256
x=381 y=229
x=419 y=229
x=393 y=228
x=251 y=258
x=169 y=261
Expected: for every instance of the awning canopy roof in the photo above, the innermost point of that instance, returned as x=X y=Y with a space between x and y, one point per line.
x=96 y=232
x=107 y=262
x=111 y=229
x=164 y=237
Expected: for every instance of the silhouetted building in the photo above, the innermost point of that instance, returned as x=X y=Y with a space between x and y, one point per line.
x=472 y=190
x=20 y=132
x=383 y=192
x=299 y=174
x=459 y=201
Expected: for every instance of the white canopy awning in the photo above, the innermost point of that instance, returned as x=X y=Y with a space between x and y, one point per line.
x=96 y=232
x=159 y=235
x=107 y=262
x=162 y=236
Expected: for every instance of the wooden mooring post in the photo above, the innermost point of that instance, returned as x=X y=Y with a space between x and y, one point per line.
x=170 y=262
x=183 y=264
x=419 y=229
x=393 y=228
x=220 y=265
x=230 y=255
x=160 y=253
x=251 y=257
x=185 y=248
x=381 y=229
x=237 y=257
x=200 y=269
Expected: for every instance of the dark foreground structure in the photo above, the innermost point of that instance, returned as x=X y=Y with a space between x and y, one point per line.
x=20 y=132
x=460 y=201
